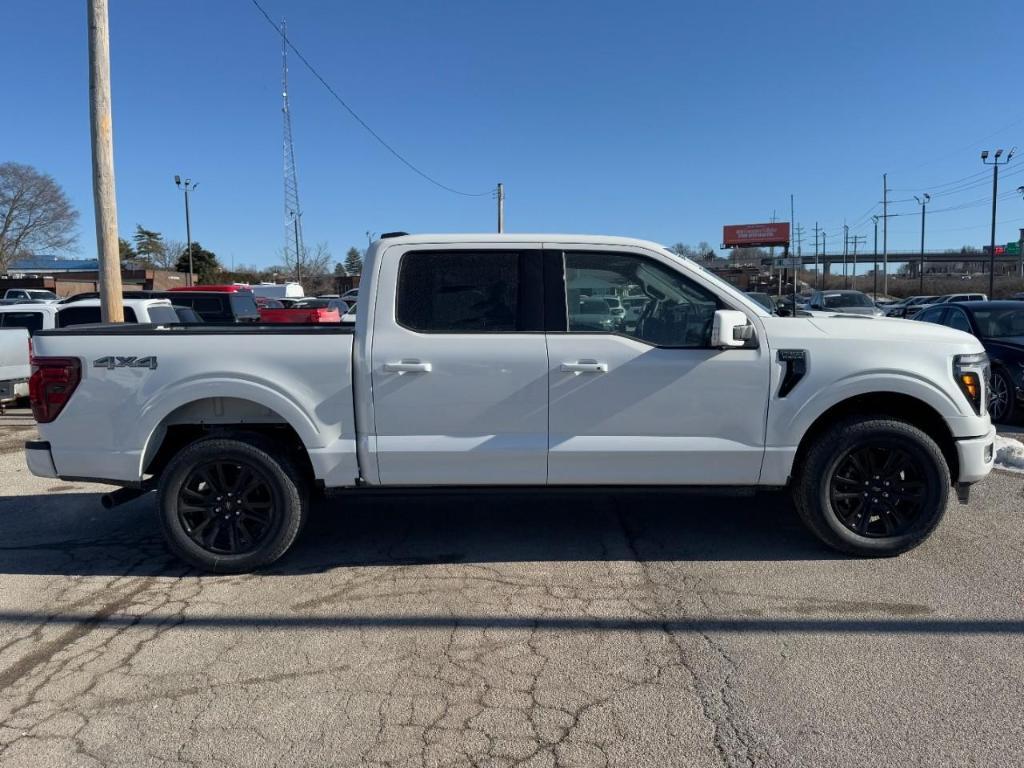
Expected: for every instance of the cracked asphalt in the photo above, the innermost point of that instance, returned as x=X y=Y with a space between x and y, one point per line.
x=606 y=629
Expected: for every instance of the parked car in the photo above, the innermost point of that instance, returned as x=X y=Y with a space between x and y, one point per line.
x=764 y=299
x=350 y=295
x=1000 y=327
x=900 y=308
x=911 y=311
x=187 y=315
x=300 y=315
x=226 y=304
x=14 y=365
x=462 y=371
x=844 y=302
x=33 y=294
x=277 y=290
x=262 y=302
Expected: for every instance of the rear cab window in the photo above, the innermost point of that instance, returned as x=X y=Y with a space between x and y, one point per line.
x=30 y=321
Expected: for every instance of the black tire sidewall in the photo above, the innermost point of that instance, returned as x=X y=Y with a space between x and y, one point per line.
x=288 y=501
x=834 y=446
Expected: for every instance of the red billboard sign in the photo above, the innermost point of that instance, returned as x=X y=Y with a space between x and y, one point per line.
x=755 y=235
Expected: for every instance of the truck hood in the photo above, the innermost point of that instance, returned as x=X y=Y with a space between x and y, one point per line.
x=885 y=329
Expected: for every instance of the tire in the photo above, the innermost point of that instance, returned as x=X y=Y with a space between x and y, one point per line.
x=1002 y=400
x=828 y=489
x=252 y=498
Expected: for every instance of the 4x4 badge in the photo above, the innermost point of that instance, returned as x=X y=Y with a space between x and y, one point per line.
x=110 y=363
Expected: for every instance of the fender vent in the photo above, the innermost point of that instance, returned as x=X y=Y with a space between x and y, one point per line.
x=794 y=363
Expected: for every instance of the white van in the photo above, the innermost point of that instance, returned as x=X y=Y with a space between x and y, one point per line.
x=278 y=290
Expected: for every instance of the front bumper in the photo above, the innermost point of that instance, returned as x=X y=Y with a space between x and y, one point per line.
x=976 y=455
x=39 y=458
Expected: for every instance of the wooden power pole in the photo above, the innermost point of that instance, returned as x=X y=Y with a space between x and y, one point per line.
x=101 y=129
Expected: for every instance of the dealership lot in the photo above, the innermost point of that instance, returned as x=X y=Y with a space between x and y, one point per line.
x=508 y=629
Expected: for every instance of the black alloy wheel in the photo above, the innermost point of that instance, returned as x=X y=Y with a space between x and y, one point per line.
x=227 y=508
x=1000 y=403
x=879 y=489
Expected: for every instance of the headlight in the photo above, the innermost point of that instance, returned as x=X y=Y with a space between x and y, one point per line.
x=972 y=373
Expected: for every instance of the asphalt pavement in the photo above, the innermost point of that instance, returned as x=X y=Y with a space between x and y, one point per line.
x=605 y=629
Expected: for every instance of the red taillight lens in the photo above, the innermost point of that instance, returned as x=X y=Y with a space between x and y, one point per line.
x=51 y=385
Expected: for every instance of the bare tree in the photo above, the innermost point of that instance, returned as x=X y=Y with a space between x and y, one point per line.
x=35 y=214
x=168 y=258
x=312 y=267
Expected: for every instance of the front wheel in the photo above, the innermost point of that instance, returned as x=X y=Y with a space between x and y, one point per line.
x=874 y=487
x=231 y=505
x=1002 y=400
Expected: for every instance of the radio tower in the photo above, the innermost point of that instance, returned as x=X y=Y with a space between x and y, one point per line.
x=292 y=212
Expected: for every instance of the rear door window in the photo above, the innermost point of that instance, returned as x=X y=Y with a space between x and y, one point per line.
x=243 y=305
x=467 y=292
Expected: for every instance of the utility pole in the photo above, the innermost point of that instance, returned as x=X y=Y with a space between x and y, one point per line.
x=855 y=240
x=792 y=231
x=875 y=271
x=817 y=269
x=846 y=251
x=995 y=189
x=824 y=261
x=923 y=202
x=102 y=136
x=501 y=207
x=885 y=233
x=188 y=187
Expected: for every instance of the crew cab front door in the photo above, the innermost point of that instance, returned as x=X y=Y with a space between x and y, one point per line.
x=642 y=398
x=459 y=367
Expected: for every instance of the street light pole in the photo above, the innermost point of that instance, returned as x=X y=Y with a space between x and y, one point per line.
x=923 y=202
x=995 y=163
x=187 y=186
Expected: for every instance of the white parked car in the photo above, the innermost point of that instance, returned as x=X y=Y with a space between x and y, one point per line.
x=30 y=294
x=469 y=366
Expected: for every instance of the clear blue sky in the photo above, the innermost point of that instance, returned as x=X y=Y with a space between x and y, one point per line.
x=662 y=120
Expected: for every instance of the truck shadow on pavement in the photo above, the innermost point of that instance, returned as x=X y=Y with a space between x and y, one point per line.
x=71 y=534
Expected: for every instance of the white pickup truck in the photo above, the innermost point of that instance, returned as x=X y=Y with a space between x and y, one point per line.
x=473 y=363
x=14 y=369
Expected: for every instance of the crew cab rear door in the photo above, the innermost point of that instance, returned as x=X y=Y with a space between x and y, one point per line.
x=643 y=398
x=459 y=366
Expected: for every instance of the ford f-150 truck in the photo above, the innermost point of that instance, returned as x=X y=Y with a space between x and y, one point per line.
x=476 y=361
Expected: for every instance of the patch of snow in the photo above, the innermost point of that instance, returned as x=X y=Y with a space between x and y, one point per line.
x=1009 y=454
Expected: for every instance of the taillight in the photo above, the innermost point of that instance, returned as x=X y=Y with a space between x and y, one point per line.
x=51 y=385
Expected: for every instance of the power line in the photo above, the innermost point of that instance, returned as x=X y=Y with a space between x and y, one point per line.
x=356 y=117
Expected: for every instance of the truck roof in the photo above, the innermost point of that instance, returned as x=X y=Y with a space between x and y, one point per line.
x=517 y=237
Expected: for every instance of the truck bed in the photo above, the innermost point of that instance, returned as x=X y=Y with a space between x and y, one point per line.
x=139 y=381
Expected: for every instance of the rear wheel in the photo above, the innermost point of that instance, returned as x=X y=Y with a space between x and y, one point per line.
x=872 y=487
x=230 y=505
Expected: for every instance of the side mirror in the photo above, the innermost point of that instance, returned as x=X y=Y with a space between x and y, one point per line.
x=730 y=328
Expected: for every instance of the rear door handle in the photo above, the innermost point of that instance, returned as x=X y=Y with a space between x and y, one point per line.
x=585 y=366
x=408 y=366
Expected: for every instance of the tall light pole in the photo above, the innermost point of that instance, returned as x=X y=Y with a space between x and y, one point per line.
x=187 y=186
x=995 y=163
x=923 y=202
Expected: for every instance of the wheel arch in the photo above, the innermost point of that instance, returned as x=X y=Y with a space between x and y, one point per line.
x=221 y=417
x=893 y=405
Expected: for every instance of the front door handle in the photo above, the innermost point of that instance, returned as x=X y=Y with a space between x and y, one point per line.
x=408 y=366
x=585 y=366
